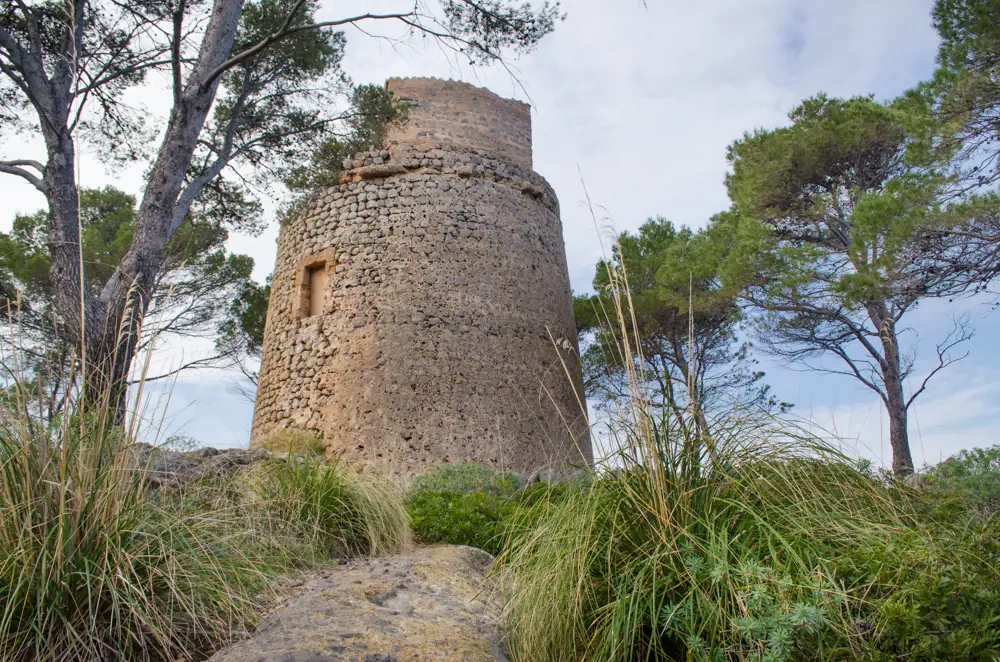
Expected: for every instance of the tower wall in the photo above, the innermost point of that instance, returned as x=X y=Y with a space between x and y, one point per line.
x=446 y=328
x=448 y=112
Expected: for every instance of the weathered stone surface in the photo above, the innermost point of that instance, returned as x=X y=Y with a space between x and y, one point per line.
x=169 y=468
x=446 y=330
x=376 y=171
x=426 y=604
x=447 y=111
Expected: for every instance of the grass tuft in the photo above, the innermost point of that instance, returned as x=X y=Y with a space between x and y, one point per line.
x=338 y=510
x=96 y=565
x=696 y=554
x=92 y=568
x=299 y=442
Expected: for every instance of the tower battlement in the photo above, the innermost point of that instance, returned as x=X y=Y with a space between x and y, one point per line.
x=456 y=113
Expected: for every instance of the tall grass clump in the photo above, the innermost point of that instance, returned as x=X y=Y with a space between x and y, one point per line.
x=95 y=564
x=741 y=538
x=336 y=509
x=699 y=552
x=92 y=568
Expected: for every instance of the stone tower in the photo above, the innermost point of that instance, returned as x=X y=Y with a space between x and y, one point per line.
x=421 y=311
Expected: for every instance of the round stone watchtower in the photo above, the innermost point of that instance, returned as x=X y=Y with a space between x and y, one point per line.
x=420 y=311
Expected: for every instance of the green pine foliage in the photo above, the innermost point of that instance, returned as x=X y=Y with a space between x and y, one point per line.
x=674 y=288
x=199 y=280
x=963 y=96
x=196 y=252
x=373 y=112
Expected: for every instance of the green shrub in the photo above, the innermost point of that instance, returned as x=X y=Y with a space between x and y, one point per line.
x=931 y=593
x=476 y=519
x=462 y=504
x=472 y=504
x=972 y=476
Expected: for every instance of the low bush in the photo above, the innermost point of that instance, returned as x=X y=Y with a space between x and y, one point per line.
x=930 y=592
x=934 y=587
x=472 y=504
x=475 y=519
x=971 y=476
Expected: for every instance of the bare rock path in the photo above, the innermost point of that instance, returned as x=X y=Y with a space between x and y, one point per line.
x=425 y=604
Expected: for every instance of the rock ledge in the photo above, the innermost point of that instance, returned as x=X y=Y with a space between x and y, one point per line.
x=425 y=604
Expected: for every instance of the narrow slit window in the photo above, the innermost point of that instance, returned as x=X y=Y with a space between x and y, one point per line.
x=316 y=281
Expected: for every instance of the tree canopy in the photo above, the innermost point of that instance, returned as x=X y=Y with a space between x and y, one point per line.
x=196 y=287
x=966 y=88
x=839 y=241
x=673 y=289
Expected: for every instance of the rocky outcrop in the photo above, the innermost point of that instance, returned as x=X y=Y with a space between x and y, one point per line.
x=169 y=468
x=426 y=604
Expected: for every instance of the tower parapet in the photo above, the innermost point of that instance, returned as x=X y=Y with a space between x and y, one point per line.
x=420 y=311
x=454 y=113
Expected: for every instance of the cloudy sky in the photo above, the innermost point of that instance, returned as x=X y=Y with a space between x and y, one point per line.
x=638 y=103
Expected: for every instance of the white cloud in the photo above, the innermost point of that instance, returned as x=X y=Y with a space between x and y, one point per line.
x=207 y=406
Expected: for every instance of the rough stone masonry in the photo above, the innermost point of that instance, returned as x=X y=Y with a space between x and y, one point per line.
x=421 y=311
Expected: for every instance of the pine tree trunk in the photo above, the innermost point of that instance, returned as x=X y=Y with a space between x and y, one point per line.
x=109 y=360
x=899 y=439
x=90 y=324
x=895 y=402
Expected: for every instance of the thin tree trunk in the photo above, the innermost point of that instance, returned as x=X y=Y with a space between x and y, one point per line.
x=895 y=402
x=89 y=323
